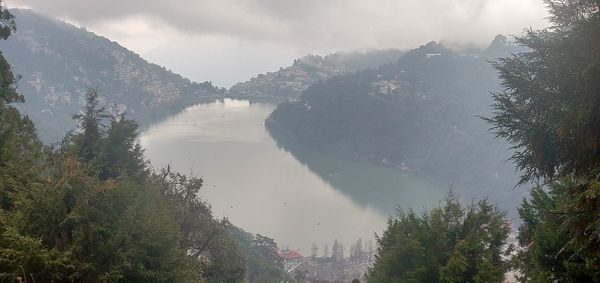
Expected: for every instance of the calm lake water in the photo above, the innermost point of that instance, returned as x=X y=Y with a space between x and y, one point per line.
x=293 y=194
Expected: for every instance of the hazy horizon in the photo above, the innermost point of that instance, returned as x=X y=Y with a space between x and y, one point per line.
x=226 y=42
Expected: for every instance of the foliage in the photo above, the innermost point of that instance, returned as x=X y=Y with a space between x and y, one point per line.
x=263 y=263
x=90 y=122
x=203 y=236
x=549 y=250
x=7 y=23
x=549 y=110
x=450 y=243
x=62 y=223
x=92 y=211
x=122 y=155
x=66 y=224
x=109 y=230
x=549 y=105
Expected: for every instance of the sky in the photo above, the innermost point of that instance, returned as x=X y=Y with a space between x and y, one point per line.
x=228 y=41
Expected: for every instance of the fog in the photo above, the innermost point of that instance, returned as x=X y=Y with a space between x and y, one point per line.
x=299 y=140
x=230 y=41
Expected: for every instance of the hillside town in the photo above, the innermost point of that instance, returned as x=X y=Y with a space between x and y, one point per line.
x=289 y=82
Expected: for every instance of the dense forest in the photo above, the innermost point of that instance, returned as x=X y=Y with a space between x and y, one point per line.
x=91 y=209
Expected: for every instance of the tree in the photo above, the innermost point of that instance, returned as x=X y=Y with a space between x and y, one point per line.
x=92 y=211
x=263 y=263
x=88 y=142
x=358 y=250
x=547 y=252
x=121 y=152
x=7 y=23
x=7 y=80
x=549 y=110
x=19 y=146
x=21 y=162
x=314 y=250
x=450 y=243
x=204 y=238
x=337 y=251
x=109 y=151
x=549 y=105
x=370 y=250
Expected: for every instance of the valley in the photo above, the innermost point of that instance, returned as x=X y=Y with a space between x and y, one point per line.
x=367 y=154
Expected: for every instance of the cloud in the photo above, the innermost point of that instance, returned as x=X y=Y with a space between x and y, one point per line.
x=320 y=24
x=292 y=27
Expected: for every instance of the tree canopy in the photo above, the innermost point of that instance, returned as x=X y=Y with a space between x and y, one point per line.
x=92 y=210
x=549 y=108
x=450 y=243
x=550 y=111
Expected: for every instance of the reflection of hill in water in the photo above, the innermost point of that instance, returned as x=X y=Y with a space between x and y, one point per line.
x=385 y=187
x=379 y=187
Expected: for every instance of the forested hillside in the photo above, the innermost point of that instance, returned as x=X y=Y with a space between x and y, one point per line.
x=58 y=63
x=289 y=82
x=419 y=113
x=93 y=210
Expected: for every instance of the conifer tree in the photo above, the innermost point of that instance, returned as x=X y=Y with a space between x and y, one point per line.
x=91 y=125
x=450 y=243
x=550 y=112
x=121 y=153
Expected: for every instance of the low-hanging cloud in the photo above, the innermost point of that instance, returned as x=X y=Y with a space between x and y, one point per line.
x=321 y=24
x=218 y=39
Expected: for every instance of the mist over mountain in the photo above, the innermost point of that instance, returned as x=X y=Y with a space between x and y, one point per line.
x=420 y=113
x=458 y=161
x=58 y=63
x=289 y=82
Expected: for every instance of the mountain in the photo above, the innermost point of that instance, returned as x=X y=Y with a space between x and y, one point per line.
x=289 y=82
x=58 y=63
x=419 y=114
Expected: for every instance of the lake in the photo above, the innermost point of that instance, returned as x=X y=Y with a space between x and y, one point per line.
x=276 y=188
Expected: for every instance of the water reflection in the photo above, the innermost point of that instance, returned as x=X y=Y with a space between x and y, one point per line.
x=384 y=188
x=296 y=196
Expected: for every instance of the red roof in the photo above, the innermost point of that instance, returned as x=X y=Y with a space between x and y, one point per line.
x=289 y=254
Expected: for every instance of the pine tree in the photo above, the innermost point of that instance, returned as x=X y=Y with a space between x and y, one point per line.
x=550 y=112
x=91 y=124
x=121 y=153
x=550 y=104
x=447 y=244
